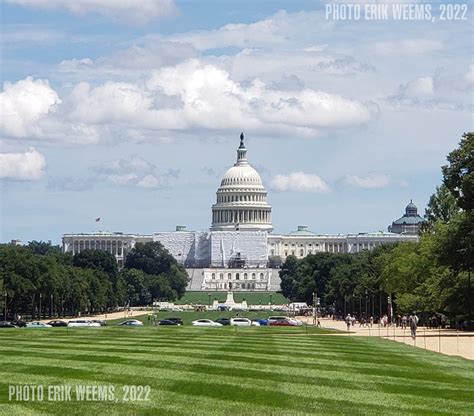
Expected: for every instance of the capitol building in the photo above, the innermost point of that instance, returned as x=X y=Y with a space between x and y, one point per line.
x=239 y=252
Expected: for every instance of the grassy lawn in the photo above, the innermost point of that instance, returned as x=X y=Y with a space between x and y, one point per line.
x=252 y=298
x=216 y=371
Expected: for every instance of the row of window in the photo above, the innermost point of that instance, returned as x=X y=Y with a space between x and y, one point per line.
x=225 y=216
x=237 y=276
x=250 y=286
x=241 y=198
x=112 y=246
x=234 y=181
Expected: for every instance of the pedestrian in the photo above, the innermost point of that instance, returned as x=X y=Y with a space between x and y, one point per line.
x=404 y=322
x=348 y=321
x=318 y=323
x=413 y=321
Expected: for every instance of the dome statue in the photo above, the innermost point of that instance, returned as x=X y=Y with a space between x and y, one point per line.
x=241 y=198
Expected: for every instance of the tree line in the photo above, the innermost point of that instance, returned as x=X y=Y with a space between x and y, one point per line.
x=40 y=280
x=432 y=275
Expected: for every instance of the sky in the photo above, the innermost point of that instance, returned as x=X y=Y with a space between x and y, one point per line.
x=131 y=111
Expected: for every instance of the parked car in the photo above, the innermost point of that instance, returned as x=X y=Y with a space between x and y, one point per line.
x=7 y=325
x=223 y=321
x=205 y=322
x=100 y=322
x=168 y=322
x=179 y=321
x=37 y=324
x=282 y=321
x=243 y=322
x=131 y=322
x=77 y=323
x=19 y=323
x=262 y=322
x=57 y=323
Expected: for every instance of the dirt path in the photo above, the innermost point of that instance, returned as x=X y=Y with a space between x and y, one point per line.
x=444 y=341
x=103 y=317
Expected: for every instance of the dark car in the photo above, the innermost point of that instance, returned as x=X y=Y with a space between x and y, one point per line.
x=57 y=323
x=262 y=322
x=131 y=322
x=19 y=323
x=177 y=320
x=223 y=321
x=99 y=321
x=168 y=322
x=7 y=325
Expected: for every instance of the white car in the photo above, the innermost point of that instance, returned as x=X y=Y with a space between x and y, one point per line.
x=76 y=323
x=243 y=322
x=37 y=325
x=205 y=322
x=283 y=321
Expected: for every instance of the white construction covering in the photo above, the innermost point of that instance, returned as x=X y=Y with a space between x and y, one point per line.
x=249 y=246
x=191 y=248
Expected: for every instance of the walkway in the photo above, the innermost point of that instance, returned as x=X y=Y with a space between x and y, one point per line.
x=444 y=341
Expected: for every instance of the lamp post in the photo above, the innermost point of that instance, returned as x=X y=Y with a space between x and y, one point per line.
x=270 y=301
x=209 y=303
x=366 y=304
x=5 y=306
x=39 y=312
x=51 y=306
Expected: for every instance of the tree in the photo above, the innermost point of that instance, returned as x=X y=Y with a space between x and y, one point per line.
x=136 y=286
x=43 y=248
x=458 y=175
x=442 y=206
x=98 y=260
x=170 y=278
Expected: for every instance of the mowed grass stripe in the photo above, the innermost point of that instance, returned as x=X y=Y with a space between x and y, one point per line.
x=104 y=356
x=299 y=401
x=402 y=361
x=225 y=364
x=92 y=374
x=271 y=372
x=370 y=368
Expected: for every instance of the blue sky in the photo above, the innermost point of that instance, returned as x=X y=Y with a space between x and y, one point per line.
x=131 y=111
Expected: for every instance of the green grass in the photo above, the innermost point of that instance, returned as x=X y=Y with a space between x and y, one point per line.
x=252 y=298
x=216 y=371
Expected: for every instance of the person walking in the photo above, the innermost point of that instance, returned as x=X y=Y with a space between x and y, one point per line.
x=348 y=321
x=413 y=321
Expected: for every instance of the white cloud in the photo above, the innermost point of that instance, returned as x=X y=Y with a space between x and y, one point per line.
x=112 y=101
x=268 y=32
x=372 y=181
x=23 y=104
x=149 y=181
x=211 y=99
x=23 y=166
x=134 y=171
x=129 y=10
x=300 y=182
x=421 y=87
x=447 y=91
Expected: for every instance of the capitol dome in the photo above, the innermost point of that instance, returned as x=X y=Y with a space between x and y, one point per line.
x=241 y=198
x=241 y=175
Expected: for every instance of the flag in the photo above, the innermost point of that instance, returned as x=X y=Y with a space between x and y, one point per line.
x=97 y=219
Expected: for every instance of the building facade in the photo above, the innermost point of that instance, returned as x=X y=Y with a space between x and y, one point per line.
x=410 y=223
x=239 y=252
